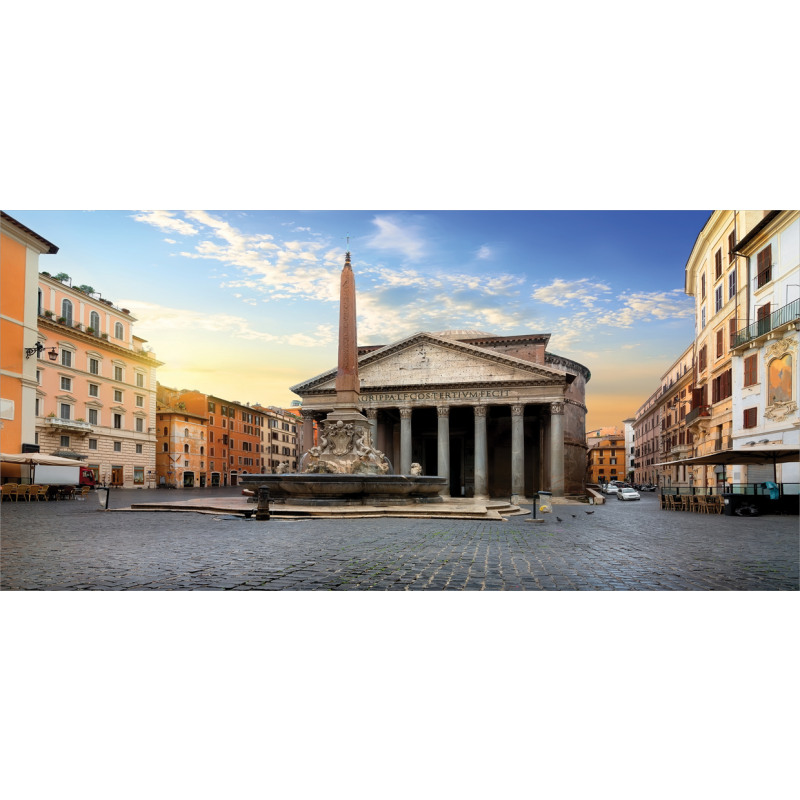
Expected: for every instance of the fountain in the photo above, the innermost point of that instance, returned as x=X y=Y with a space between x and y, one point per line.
x=344 y=468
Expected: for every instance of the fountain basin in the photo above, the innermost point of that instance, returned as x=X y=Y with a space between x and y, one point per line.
x=319 y=489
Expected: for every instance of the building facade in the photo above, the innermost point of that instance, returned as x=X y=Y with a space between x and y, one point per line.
x=677 y=439
x=97 y=400
x=496 y=415
x=765 y=345
x=647 y=441
x=282 y=434
x=606 y=458
x=20 y=248
x=181 y=454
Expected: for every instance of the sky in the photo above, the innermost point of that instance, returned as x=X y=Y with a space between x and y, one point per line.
x=244 y=304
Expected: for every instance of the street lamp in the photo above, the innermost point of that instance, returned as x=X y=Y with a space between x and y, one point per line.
x=52 y=353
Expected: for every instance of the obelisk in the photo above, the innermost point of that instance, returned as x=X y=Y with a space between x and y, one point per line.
x=347 y=384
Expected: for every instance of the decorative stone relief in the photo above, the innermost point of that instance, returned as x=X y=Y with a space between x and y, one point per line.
x=556 y=408
x=780 y=348
x=442 y=411
x=517 y=410
x=480 y=411
x=345 y=447
x=780 y=410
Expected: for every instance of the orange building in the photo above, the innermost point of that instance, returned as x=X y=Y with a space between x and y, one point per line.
x=181 y=455
x=20 y=248
x=606 y=458
x=235 y=435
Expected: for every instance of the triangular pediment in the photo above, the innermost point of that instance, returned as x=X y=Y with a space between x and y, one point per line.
x=425 y=359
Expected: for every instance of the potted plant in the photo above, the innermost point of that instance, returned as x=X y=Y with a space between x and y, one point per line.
x=104 y=335
x=62 y=320
x=48 y=313
x=77 y=326
x=90 y=329
x=46 y=274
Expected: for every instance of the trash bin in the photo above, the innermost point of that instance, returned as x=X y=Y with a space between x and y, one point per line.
x=545 y=502
x=730 y=502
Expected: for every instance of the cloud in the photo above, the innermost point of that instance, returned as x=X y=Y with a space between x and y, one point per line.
x=392 y=235
x=153 y=318
x=562 y=293
x=166 y=221
x=483 y=252
x=170 y=241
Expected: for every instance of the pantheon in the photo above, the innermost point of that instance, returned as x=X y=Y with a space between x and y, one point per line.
x=498 y=416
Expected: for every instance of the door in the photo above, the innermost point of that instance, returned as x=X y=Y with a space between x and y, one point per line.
x=116 y=476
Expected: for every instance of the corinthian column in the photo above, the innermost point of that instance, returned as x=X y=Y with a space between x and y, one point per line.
x=443 y=449
x=557 y=449
x=517 y=452
x=372 y=416
x=405 y=440
x=481 y=468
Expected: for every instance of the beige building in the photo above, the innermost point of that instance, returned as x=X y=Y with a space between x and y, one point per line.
x=497 y=415
x=676 y=439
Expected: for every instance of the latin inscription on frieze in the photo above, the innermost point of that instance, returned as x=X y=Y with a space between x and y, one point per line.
x=411 y=397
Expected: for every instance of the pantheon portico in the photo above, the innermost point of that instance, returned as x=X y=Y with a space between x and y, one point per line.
x=498 y=416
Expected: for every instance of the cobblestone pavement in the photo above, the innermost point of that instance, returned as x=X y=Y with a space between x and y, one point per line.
x=74 y=545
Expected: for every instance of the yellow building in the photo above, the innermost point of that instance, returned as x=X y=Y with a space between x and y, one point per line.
x=606 y=457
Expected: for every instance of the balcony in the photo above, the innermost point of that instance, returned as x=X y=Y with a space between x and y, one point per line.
x=74 y=425
x=725 y=443
x=783 y=316
x=695 y=413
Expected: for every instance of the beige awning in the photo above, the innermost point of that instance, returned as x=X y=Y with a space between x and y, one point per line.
x=757 y=454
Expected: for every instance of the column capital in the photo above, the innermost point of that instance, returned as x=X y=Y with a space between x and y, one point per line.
x=306 y=414
x=443 y=411
x=372 y=413
x=517 y=410
x=556 y=408
x=480 y=411
x=405 y=412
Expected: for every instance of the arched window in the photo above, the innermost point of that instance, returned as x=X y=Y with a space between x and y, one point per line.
x=780 y=379
x=94 y=321
x=166 y=431
x=202 y=451
x=119 y=331
x=66 y=311
x=186 y=432
x=186 y=448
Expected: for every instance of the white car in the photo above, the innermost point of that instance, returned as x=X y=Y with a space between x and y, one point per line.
x=627 y=493
x=611 y=488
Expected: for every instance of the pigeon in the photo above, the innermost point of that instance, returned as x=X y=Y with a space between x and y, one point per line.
x=590 y=512
x=558 y=519
x=574 y=515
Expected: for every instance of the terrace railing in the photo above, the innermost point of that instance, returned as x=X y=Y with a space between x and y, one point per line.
x=783 y=316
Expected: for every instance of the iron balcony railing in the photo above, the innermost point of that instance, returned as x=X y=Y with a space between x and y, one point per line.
x=700 y=411
x=789 y=313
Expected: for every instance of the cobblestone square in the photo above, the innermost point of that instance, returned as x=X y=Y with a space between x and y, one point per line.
x=73 y=545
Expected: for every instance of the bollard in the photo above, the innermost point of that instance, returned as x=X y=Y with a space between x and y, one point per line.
x=262 y=511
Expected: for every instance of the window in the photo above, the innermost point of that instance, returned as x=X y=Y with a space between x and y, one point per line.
x=751 y=370
x=65 y=411
x=762 y=318
x=186 y=448
x=119 y=331
x=139 y=425
x=731 y=331
x=731 y=246
x=750 y=418
x=94 y=366
x=93 y=444
x=185 y=433
x=212 y=407
x=701 y=358
x=138 y=475
x=118 y=376
x=140 y=379
x=764 y=261
x=66 y=311
x=117 y=395
x=721 y=387
x=94 y=390
x=39 y=377
x=780 y=380
x=93 y=416
x=139 y=449
x=117 y=447
x=732 y=284
x=703 y=286
x=718 y=298
x=718 y=264
x=65 y=441
x=38 y=405
x=703 y=317
x=66 y=358
x=117 y=420
x=94 y=321
x=720 y=343
x=165 y=447
x=66 y=384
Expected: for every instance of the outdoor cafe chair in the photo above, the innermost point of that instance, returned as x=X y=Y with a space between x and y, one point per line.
x=39 y=492
x=9 y=491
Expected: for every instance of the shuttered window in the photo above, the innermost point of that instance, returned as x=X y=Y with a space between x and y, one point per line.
x=750 y=418
x=720 y=343
x=718 y=264
x=764 y=266
x=751 y=370
x=731 y=245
